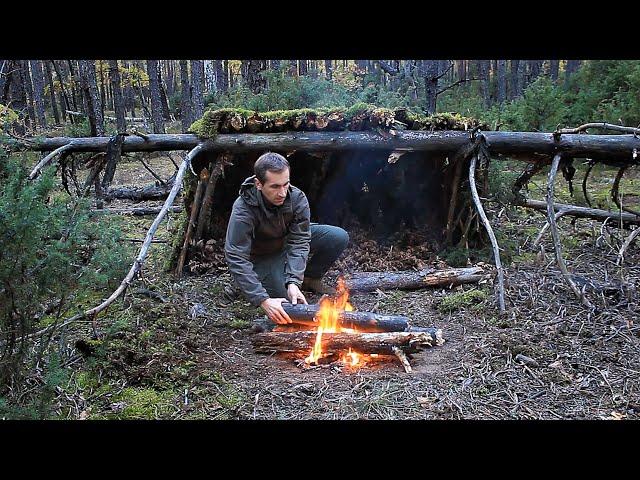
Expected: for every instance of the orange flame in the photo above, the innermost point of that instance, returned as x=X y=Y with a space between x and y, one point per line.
x=327 y=317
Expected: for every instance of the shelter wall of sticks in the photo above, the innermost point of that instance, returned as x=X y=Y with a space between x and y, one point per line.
x=389 y=193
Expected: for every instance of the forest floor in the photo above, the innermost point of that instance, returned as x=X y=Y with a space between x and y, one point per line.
x=183 y=355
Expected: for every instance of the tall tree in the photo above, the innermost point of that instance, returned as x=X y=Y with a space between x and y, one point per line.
x=91 y=96
x=5 y=66
x=118 y=100
x=38 y=91
x=185 y=99
x=430 y=71
x=328 y=69
x=293 y=68
x=554 y=67
x=515 y=84
x=18 y=96
x=220 y=77
x=253 y=76
x=484 y=81
x=52 y=96
x=501 y=70
x=535 y=66
x=225 y=77
x=25 y=76
x=156 y=101
x=197 y=88
x=571 y=68
x=67 y=100
x=302 y=67
x=275 y=64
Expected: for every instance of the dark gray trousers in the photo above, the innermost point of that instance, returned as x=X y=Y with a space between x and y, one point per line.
x=327 y=243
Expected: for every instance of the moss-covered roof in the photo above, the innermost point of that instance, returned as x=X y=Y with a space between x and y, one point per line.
x=360 y=116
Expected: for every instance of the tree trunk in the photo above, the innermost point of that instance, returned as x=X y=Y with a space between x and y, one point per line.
x=571 y=68
x=152 y=192
x=197 y=87
x=430 y=68
x=220 y=81
x=502 y=81
x=67 y=101
x=18 y=97
x=254 y=79
x=38 y=92
x=74 y=78
x=118 y=100
x=484 y=82
x=515 y=90
x=169 y=77
x=225 y=78
x=380 y=343
x=156 y=101
x=129 y=95
x=185 y=102
x=328 y=69
x=90 y=93
x=4 y=67
x=275 y=64
x=554 y=67
x=534 y=70
x=25 y=76
x=103 y=91
x=302 y=67
x=52 y=96
x=293 y=68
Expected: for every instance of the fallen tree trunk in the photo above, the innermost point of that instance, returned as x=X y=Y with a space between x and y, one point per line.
x=583 y=212
x=151 y=192
x=107 y=117
x=604 y=147
x=381 y=343
x=361 y=321
x=136 y=212
x=370 y=281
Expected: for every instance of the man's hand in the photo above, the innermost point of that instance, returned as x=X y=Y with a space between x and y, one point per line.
x=294 y=294
x=274 y=310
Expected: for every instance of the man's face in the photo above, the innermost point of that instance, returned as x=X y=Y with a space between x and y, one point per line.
x=275 y=187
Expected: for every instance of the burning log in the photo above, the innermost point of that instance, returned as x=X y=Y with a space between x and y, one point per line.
x=380 y=343
x=370 y=281
x=361 y=321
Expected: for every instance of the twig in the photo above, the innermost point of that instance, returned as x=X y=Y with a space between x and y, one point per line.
x=155 y=175
x=626 y=245
x=403 y=358
x=487 y=226
x=584 y=183
x=36 y=171
x=603 y=125
x=551 y=219
x=546 y=225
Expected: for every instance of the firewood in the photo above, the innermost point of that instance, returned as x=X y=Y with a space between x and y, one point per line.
x=361 y=321
x=431 y=277
x=380 y=343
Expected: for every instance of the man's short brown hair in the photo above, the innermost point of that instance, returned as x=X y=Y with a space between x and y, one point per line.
x=270 y=161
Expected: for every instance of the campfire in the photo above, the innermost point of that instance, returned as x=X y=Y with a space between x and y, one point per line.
x=332 y=332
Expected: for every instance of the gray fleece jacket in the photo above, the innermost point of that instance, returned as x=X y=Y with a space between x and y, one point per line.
x=258 y=228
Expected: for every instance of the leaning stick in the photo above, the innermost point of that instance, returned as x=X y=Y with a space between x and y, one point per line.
x=137 y=264
x=551 y=219
x=626 y=244
x=36 y=170
x=487 y=226
x=204 y=177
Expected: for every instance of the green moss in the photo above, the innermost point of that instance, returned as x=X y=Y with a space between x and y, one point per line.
x=460 y=300
x=142 y=404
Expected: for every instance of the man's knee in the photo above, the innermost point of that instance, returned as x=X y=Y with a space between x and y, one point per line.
x=342 y=238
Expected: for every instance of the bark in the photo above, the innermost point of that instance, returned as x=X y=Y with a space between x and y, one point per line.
x=380 y=343
x=135 y=212
x=571 y=68
x=361 y=321
x=274 y=64
x=169 y=77
x=5 y=65
x=204 y=177
x=156 y=102
x=185 y=102
x=293 y=68
x=197 y=87
x=370 y=281
x=302 y=67
x=52 y=96
x=38 y=92
x=18 y=97
x=225 y=77
x=254 y=78
x=67 y=99
x=535 y=67
x=207 y=200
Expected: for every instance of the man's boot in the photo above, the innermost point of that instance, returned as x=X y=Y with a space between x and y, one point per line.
x=316 y=285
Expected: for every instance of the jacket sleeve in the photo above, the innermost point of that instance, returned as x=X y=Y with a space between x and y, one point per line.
x=298 y=242
x=237 y=250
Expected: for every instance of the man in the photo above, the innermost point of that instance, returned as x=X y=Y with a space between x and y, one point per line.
x=270 y=238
